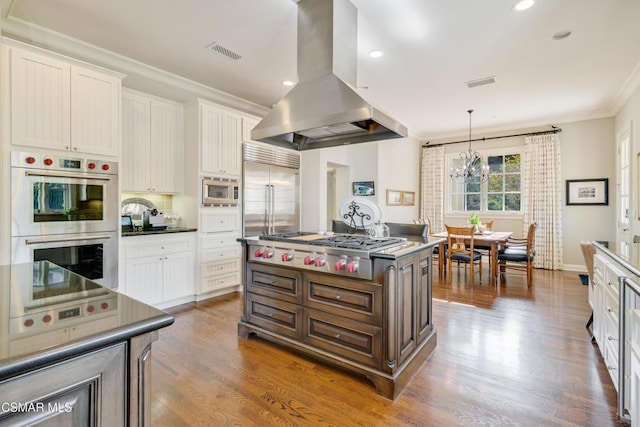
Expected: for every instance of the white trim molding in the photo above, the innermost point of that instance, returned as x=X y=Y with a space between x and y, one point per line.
x=142 y=76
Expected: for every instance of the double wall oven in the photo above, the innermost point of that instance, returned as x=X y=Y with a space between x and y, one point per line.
x=66 y=210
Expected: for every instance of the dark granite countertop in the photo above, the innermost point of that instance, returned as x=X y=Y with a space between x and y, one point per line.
x=49 y=314
x=166 y=231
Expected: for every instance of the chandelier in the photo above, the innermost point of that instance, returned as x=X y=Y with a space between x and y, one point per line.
x=472 y=167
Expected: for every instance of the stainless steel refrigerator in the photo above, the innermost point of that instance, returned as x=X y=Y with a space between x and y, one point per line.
x=271 y=190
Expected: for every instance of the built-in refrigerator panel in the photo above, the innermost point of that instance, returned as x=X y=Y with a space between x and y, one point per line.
x=271 y=190
x=255 y=208
x=285 y=187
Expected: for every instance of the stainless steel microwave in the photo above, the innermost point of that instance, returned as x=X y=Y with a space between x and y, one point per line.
x=220 y=191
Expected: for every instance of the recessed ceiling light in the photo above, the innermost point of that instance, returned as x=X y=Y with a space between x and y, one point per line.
x=375 y=53
x=287 y=83
x=523 y=5
x=561 y=35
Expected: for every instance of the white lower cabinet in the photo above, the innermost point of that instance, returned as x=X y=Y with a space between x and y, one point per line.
x=220 y=264
x=160 y=269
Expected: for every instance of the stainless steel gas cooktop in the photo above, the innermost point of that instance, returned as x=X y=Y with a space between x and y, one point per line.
x=342 y=254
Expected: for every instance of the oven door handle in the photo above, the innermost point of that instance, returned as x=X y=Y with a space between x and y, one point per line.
x=60 y=175
x=65 y=239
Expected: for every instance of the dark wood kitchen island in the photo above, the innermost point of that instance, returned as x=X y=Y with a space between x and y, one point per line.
x=71 y=351
x=368 y=312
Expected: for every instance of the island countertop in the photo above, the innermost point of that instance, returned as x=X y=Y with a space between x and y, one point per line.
x=49 y=314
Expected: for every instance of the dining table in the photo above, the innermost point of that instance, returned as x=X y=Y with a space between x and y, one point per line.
x=492 y=239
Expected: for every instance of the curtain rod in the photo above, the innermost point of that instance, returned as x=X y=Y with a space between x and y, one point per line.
x=543 y=132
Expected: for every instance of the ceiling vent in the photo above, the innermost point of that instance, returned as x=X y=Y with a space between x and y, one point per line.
x=215 y=47
x=481 y=82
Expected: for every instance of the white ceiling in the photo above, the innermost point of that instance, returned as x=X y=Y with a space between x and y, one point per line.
x=431 y=48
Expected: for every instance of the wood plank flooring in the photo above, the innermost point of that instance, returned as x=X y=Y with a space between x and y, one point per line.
x=506 y=356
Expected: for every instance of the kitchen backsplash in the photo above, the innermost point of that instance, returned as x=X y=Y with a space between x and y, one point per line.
x=163 y=202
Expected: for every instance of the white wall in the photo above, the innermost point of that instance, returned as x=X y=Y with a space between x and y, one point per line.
x=391 y=164
x=588 y=151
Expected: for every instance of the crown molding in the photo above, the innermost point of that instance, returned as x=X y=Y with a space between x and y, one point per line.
x=141 y=76
x=628 y=88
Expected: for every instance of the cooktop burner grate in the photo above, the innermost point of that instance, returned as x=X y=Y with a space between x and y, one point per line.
x=286 y=237
x=355 y=242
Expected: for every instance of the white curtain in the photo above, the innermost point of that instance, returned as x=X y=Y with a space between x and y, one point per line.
x=431 y=184
x=542 y=198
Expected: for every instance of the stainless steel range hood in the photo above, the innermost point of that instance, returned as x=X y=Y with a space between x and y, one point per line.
x=323 y=109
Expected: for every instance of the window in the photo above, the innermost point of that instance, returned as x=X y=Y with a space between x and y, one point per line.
x=501 y=192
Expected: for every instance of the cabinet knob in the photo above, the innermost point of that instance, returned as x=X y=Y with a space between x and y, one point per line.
x=337 y=335
x=75 y=148
x=338 y=297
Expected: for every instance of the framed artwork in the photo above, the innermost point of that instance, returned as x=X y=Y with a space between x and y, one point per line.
x=364 y=188
x=394 y=198
x=588 y=191
x=408 y=198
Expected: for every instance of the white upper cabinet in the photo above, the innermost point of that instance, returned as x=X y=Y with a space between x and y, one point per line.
x=40 y=101
x=95 y=112
x=152 y=142
x=63 y=106
x=220 y=141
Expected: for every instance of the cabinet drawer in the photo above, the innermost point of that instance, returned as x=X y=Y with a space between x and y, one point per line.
x=360 y=301
x=219 y=268
x=141 y=246
x=219 y=282
x=598 y=269
x=347 y=338
x=611 y=274
x=221 y=254
x=275 y=282
x=220 y=221
x=611 y=360
x=611 y=307
x=278 y=316
x=219 y=241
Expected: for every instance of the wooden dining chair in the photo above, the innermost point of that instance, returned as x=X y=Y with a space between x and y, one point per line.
x=518 y=254
x=460 y=249
x=436 y=249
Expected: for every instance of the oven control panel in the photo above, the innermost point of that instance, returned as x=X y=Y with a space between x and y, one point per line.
x=319 y=261
x=62 y=315
x=62 y=163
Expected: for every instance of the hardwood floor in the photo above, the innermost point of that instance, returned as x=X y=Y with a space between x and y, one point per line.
x=506 y=356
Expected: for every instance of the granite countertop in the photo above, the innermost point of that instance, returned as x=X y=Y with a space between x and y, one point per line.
x=49 y=314
x=165 y=231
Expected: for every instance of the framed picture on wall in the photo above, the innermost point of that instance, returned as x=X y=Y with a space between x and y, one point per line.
x=394 y=198
x=588 y=191
x=364 y=188
x=408 y=198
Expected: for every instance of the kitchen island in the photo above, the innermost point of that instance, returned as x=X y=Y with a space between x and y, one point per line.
x=362 y=305
x=71 y=351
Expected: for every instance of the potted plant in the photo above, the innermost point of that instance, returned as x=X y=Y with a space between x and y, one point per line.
x=72 y=213
x=475 y=221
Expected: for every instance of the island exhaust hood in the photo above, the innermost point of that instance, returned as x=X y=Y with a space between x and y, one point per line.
x=323 y=109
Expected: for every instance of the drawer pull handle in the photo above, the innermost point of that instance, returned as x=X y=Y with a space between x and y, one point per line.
x=611 y=368
x=610 y=338
x=337 y=297
x=338 y=336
